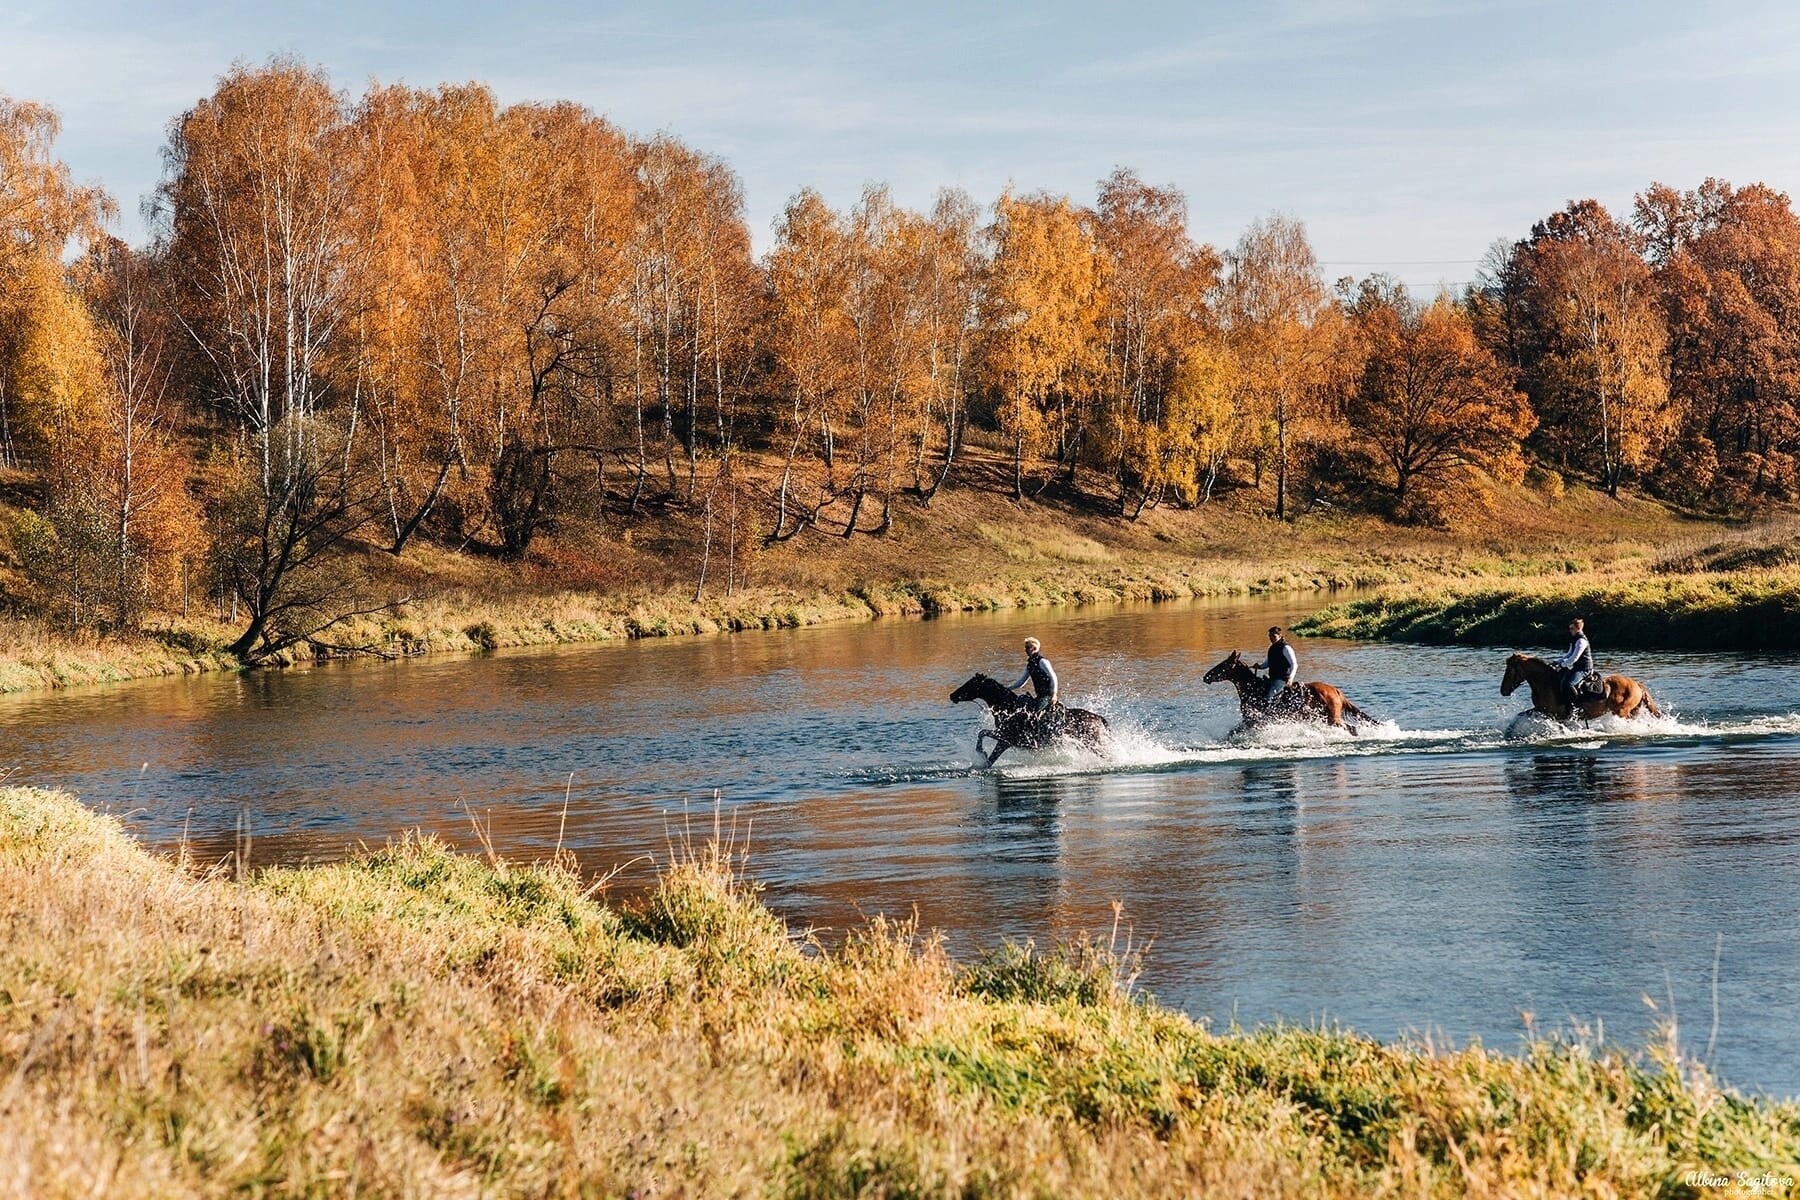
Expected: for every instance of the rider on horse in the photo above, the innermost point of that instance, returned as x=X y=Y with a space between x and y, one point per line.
x=1283 y=666
x=1042 y=677
x=1578 y=663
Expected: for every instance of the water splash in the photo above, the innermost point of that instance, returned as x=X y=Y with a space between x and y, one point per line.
x=1534 y=729
x=1137 y=748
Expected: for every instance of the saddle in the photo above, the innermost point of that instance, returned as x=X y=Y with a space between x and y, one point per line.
x=1591 y=686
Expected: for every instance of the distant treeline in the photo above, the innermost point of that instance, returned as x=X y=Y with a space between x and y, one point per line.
x=419 y=314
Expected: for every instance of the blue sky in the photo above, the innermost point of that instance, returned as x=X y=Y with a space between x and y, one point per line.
x=1408 y=136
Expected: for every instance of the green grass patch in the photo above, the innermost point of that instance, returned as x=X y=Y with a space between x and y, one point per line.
x=1744 y=612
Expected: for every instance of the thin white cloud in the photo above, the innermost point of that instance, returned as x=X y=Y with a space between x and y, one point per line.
x=1400 y=130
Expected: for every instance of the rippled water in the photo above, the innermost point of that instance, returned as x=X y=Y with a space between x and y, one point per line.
x=1429 y=878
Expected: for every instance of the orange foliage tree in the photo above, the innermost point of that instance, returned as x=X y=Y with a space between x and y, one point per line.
x=1157 y=311
x=692 y=294
x=137 y=467
x=810 y=335
x=951 y=296
x=42 y=211
x=82 y=377
x=1041 y=332
x=1431 y=399
x=1278 y=322
x=1727 y=264
x=1589 y=339
x=256 y=218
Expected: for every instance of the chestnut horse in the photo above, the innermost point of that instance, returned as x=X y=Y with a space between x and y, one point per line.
x=1301 y=701
x=1625 y=697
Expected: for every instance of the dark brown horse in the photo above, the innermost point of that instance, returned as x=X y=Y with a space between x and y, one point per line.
x=1300 y=702
x=1017 y=724
x=1624 y=697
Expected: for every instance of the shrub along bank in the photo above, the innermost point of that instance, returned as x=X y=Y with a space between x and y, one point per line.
x=1756 y=611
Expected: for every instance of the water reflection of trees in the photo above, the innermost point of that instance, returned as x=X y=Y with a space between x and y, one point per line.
x=1589 y=802
x=1657 y=812
x=1042 y=792
x=1275 y=783
x=1017 y=858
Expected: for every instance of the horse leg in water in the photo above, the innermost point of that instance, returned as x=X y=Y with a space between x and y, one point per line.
x=1359 y=714
x=1331 y=703
x=1001 y=746
x=981 y=745
x=1330 y=707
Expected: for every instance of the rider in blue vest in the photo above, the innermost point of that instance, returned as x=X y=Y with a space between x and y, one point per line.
x=1041 y=676
x=1283 y=666
x=1578 y=662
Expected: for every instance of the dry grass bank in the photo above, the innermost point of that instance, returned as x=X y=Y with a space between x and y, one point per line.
x=35 y=654
x=416 y=1022
x=972 y=549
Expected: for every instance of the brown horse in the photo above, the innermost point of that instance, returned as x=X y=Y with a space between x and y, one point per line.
x=1624 y=697
x=1301 y=702
x=1015 y=724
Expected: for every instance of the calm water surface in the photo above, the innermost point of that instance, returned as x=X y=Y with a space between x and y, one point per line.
x=1431 y=879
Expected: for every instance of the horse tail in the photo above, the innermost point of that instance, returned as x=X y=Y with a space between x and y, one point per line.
x=1649 y=703
x=1358 y=713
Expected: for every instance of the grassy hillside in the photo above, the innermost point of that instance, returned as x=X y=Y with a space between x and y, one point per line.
x=416 y=1022
x=972 y=548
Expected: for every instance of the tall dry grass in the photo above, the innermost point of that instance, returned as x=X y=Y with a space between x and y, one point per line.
x=36 y=654
x=417 y=1022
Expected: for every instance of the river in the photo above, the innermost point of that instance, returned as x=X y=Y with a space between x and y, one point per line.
x=1429 y=879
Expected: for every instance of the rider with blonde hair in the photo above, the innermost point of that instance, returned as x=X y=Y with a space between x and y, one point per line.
x=1041 y=675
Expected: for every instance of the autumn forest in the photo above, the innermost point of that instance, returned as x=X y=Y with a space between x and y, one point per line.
x=420 y=317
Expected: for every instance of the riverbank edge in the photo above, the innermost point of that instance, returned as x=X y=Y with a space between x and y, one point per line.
x=461 y=624
x=1746 y=611
x=423 y=1021
x=1741 y=611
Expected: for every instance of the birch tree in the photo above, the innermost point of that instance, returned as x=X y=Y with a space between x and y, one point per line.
x=1040 y=323
x=1275 y=307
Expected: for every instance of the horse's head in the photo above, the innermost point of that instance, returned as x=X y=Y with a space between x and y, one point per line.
x=989 y=691
x=1233 y=663
x=1515 y=673
x=971 y=690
